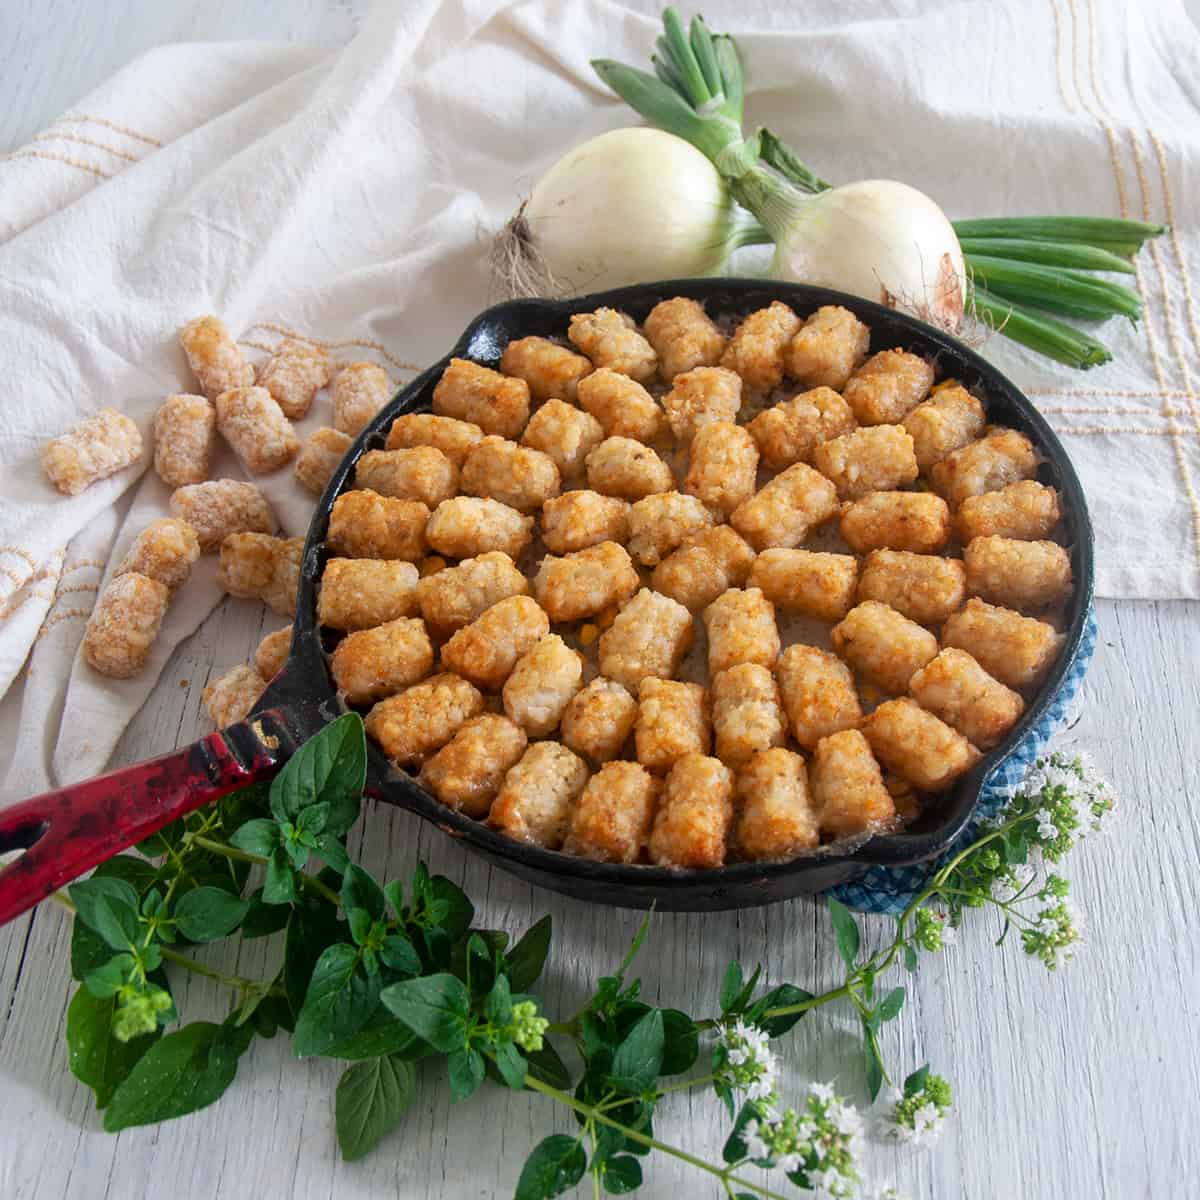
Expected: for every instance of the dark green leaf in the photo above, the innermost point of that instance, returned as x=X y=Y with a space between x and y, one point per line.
x=206 y=913
x=748 y=989
x=498 y=1007
x=511 y=1064
x=465 y=1066
x=635 y=945
x=546 y=1065
x=556 y=1165
x=916 y=1081
x=394 y=891
x=162 y=842
x=783 y=996
x=340 y=998
x=638 y=1060
x=329 y=768
x=370 y=1100
x=312 y=926
x=622 y=1174
x=104 y=981
x=454 y=911
x=312 y=819
x=874 y=1064
x=399 y=954
x=731 y=985
x=95 y=1056
x=682 y=1042
x=262 y=920
x=845 y=930
x=527 y=958
x=110 y=907
x=434 y=1007
x=259 y=836
x=734 y=1149
x=280 y=884
x=893 y=1002
x=910 y=956
x=88 y=948
x=381 y=1035
x=296 y=850
x=332 y=852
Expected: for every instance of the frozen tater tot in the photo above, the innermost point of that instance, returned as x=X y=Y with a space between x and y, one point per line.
x=672 y=720
x=420 y=473
x=658 y=524
x=783 y=512
x=213 y=355
x=185 y=433
x=1027 y=510
x=789 y=432
x=776 y=818
x=746 y=714
x=1016 y=650
x=255 y=427
x=219 y=507
x=622 y=406
x=691 y=826
x=542 y=684
x=1027 y=576
x=807 y=581
x=551 y=371
x=649 y=636
x=926 y=588
x=447 y=434
x=875 y=459
x=423 y=718
x=467 y=526
x=124 y=623
x=564 y=433
x=915 y=521
x=722 y=466
x=229 y=698
x=486 y=651
x=95 y=448
x=847 y=786
x=576 y=520
x=759 y=346
x=888 y=386
x=467 y=772
x=827 y=348
x=164 y=550
x=949 y=420
x=523 y=479
x=917 y=745
x=818 y=694
x=598 y=719
x=955 y=688
x=364 y=524
x=497 y=404
x=372 y=663
x=701 y=396
x=623 y=467
x=741 y=628
x=454 y=597
x=319 y=457
x=360 y=593
x=1003 y=457
x=611 y=339
x=257 y=566
x=585 y=582
x=272 y=652
x=294 y=374
x=683 y=337
x=704 y=566
x=360 y=390
x=882 y=645
x=534 y=802
x=611 y=820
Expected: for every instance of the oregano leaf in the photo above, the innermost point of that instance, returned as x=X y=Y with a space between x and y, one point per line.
x=556 y=1165
x=370 y=1100
x=845 y=930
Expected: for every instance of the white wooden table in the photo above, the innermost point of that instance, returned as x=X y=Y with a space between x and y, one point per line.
x=1077 y=1085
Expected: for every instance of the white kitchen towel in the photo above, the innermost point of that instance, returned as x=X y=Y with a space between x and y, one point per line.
x=348 y=196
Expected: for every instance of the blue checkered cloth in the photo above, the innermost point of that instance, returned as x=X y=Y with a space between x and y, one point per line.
x=890 y=889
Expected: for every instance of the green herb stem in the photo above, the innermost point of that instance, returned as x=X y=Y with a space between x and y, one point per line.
x=1039 y=331
x=232 y=852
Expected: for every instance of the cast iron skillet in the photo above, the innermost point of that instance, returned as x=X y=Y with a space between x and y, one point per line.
x=65 y=833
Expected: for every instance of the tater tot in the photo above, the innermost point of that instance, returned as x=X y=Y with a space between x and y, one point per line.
x=454 y=597
x=95 y=448
x=949 y=420
x=466 y=773
x=364 y=524
x=847 y=786
x=611 y=820
x=124 y=623
x=1027 y=576
x=672 y=720
x=691 y=826
x=789 y=432
x=701 y=396
x=585 y=582
x=807 y=581
x=955 y=688
x=564 y=433
x=420 y=473
x=746 y=714
x=722 y=466
x=497 y=404
x=916 y=521
x=373 y=663
x=577 y=520
x=827 y=348
x=1016 y=650
x=759 y=345
x=185 y=434
x=882 y=645
x=917 y=745
x=660 y=523
x=257 y=566
x=213 y=355
x=164 y=550
x=741 y=628
x=1027 y=510
x=598 y=719
x=422 y=719
x=683 y=337
x=776 y=818
x=926 y=588
x=319 y=457
x=1003 y=457
x=623 y=467
x=876 y=459
x=360 y=390
x=501 y=470
x=486 y=651
x=294 y=374
x=272 y=652
x=551 y=371
x=255 y=427
x=447 y=434
x=649 y=636
x=783 y=512
x=888 y=386
x=704 y=566
x=818 y=694
x=360 y=593
x=534 y=803
x=220 y=507
x=622 y=406
x=610 y=339
x=472 y=525
x=542 y=684
x=229 y=698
